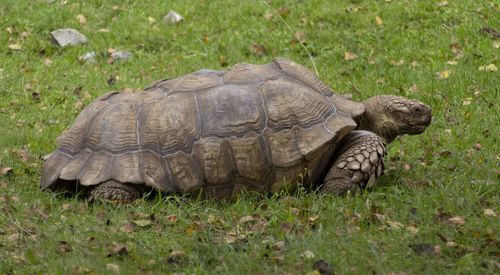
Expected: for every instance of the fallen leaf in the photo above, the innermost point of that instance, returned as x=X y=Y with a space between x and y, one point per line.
x=395 y=225
x=380 y=217
x=151 y=20
x=348 y=56
x=16 y=237
x=442 y=4
x=488 y=68
x=323 y=267
x=128 y=227
x=118 y=250
x=172 y=218
x=412 y=229
x=258 y=49
x=5 y=170
x=397 y=62
x=451 y=62
x=456 y=50
x=283 y=11
x=103 y=30
x=313 y=218
x=467 y=101
x=15 y=47
x=456 y=220
x=222 y=61
x=308 y=254
x=414 y=88
x=80 y=18
x=142 y=223
x=113 y=268
x=496 y=44
x=489 y=212
x=443 y=74
x=246 y=219
x=378 y=20
x=47 y=62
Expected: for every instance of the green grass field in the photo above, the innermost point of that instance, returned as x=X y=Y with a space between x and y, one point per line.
x=435 y=211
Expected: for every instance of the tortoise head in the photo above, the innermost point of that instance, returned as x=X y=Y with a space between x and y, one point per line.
x=391 y=116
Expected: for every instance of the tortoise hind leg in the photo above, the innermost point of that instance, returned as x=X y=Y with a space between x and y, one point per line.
x=114 y=191
x=359 y=165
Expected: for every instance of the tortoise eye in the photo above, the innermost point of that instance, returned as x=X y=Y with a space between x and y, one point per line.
x=417 y=109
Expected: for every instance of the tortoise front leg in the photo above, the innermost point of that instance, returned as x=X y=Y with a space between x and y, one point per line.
x=114 y=191
x=359 y=164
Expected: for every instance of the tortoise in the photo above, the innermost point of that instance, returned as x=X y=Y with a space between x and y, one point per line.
x=260 y=128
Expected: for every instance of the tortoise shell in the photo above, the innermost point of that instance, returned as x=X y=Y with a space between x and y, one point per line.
x=258 y=127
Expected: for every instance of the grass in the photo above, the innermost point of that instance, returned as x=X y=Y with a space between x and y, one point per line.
x=433 y=211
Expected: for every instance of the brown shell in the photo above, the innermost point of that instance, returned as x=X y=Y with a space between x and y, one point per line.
x=254 y=126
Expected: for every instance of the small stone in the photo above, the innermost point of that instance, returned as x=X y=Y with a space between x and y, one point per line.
x=67 y=37
x=489 y=212
x=478 y=146
x=121 y=55
x=173 y=18
x=88 y=57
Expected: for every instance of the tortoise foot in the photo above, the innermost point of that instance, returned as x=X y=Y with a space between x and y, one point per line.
x=114 y=191
x=359 y=165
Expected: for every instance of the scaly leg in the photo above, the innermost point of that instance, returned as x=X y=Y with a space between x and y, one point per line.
x=114 y=191
x=359 y=164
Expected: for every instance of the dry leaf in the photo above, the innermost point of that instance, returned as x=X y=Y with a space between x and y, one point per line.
x=172 y=218
x=442 y=4
x=308 y=254
x=380 y=217
x=151 y=20
x=81 y=19
x=103 y=30
x=488 y=68
x=456 y=220
x=128 y=227
x=348 y=56
x=496 y=44
x=467 y=101
x=5 y=171
x=47 y=62
x=451 y=62
x=443 y=74
x=414 y=88
x=412 y=229
x=258 y=49
x=118 y=250
x=15 y=47
x=489 y=212
x=246 y=219
x=378 y=20
x=313 y=218
x=456 y=50
x=113 y=268
x=395 y=225
x=278 y=246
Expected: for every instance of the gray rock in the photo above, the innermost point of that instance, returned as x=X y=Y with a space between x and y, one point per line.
x=121 y=55
x=173 y=17
x=66 y=37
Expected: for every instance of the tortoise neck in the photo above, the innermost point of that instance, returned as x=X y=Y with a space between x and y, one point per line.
x=375 y=120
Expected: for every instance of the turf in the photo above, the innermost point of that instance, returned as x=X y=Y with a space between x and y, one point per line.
x=435 y=210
